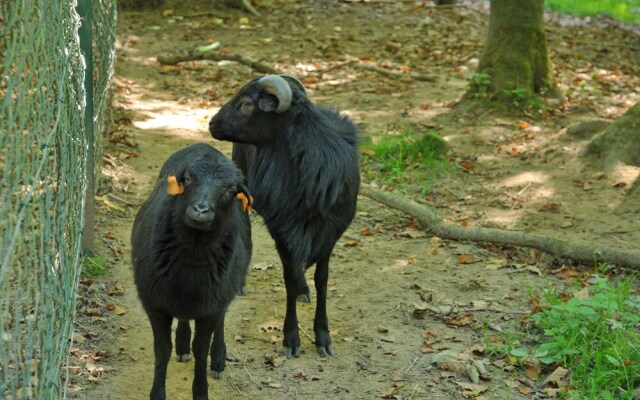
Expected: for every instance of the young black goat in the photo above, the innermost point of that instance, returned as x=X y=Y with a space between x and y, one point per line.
x=191 y=247
x=302 y=164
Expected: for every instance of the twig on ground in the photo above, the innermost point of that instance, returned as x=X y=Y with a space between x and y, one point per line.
x=179 y=56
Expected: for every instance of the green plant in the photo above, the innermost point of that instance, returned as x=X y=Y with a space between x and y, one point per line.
x=479 y=85
x=94 y=266
x=595 y=335
x=408 y=158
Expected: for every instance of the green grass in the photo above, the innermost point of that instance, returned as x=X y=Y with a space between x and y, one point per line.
x=596 y=337
x=622 y=10
x=407 y=158
x=94 y=266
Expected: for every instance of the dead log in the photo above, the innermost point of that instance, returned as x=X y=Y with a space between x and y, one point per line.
x=585 y=253
x=179 y=56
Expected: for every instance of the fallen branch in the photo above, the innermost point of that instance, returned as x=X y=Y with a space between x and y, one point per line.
x=396 y=75
x=556 y=247
x=179 y=56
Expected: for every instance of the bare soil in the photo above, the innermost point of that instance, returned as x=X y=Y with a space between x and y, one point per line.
x=409 y=313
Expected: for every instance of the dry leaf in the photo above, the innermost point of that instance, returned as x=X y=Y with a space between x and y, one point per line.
x=78 y=338
x=548 y=207
x=275 y=359
x=119 y=310
x=462 y=320
x=116 y=289
x=558 y=377
x=473 y=389
x=467 y=258
x=388 y=393
x=524 y=389
x=532 y=368
x=366 y=232
x=453 y=366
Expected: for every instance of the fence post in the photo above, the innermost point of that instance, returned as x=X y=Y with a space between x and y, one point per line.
x=85 y=10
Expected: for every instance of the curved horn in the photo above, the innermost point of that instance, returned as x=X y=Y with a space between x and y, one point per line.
x=296 y=80
x=279 y=87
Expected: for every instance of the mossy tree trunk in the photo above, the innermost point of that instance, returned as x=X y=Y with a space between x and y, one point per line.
x=515 y=65
x=620 y=141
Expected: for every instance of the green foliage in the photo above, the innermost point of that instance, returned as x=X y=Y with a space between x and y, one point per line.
x=94 y=266
x=480 y=85
x=622 y=10
x=409 y=157
x=596 y=337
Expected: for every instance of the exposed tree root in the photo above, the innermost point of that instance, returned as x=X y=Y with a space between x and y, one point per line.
x=556 y=247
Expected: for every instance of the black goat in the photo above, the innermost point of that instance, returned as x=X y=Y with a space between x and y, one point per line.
x=191 y=247
x=302 y=164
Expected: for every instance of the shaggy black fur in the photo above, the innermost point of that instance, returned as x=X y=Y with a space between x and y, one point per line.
x=302 y=167
x=190 y=257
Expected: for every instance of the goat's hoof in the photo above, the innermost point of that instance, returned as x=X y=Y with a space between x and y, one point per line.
x=326 y=350
x=183 y=357
x=242 y=291
x=216 y=374
x=304 y=298
x=292 y=351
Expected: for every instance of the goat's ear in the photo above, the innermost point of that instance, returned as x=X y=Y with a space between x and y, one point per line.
x=268 y=103
x=242 y=194
x=174 y=188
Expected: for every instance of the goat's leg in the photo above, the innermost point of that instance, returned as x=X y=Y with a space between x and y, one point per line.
x=201 y=340
x=321 y=321
x=218 y=348
x=291 y=340
x=183 y=341
x=161 y=326
x=304 y=294
x=291 y=271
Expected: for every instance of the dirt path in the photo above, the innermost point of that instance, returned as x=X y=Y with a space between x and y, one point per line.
x=399 y=300
x=377 y=281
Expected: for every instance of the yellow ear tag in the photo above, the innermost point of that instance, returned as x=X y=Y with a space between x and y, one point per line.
x=174 y=187
x=246 y=203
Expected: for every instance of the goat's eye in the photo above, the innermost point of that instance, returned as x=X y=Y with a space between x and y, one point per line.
x=246 y=105
x=187 y=177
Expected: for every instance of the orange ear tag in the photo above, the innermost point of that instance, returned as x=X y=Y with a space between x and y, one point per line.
x=174 y=187
x=246 y=203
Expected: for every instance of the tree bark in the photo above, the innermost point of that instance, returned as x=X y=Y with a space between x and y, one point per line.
x=516 y=57
x=559 y=248
x=620 y=141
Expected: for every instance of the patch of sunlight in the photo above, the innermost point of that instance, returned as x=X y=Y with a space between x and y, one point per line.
x=173 y=118
x=525 y=178
x=508 y=219
x=624 y=173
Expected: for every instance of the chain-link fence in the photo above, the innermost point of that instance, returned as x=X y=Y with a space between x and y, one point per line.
x=43 y=175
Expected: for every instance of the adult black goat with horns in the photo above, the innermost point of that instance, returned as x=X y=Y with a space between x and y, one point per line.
x=302 y=166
